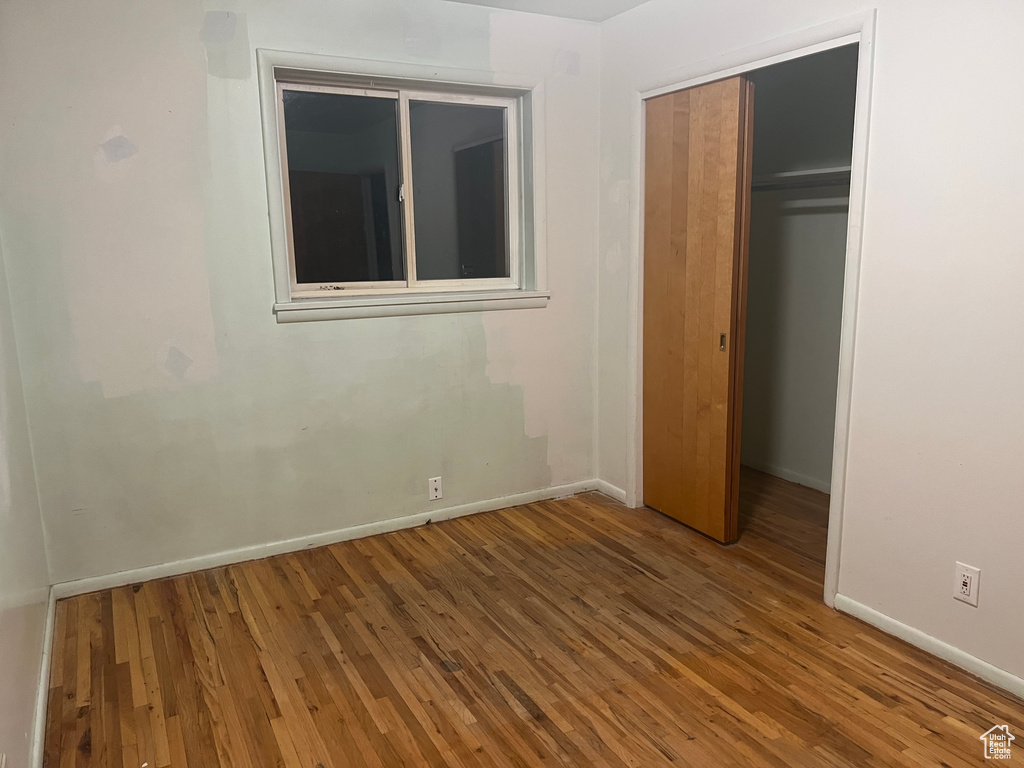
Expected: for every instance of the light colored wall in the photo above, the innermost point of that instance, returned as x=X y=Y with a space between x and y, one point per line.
x=794 y=317
x=803 y=119
x=24 y=581
x=937 y=420
x=803 y=112
x=171 y=416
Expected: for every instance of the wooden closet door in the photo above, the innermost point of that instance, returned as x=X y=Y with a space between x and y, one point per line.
x=696 y=218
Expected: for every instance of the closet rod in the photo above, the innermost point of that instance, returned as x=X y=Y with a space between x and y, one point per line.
x=818 y=177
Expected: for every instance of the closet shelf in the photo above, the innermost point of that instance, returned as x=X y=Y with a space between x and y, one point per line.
x=815 y=177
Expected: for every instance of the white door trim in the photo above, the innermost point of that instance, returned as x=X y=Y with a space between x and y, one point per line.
x=859 y=29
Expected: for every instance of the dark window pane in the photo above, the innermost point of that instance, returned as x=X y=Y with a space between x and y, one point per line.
x=459 y=186
x=343 y=176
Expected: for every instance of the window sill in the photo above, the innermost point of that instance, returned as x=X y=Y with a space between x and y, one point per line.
x=395 y=305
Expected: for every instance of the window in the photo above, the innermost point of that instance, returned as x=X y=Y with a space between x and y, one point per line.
x=400 y=188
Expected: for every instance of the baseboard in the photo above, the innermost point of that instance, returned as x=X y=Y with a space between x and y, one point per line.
x=987 y=672
x=242 y=554
x=42 y=694
x=793 y=477
x=612 y=491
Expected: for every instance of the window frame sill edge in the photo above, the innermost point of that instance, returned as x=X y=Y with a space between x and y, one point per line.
x=403 y=305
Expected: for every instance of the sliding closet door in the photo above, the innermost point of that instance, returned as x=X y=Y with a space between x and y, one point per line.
x=696 y=218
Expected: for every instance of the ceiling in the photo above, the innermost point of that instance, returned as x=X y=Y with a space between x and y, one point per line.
x=587 y=10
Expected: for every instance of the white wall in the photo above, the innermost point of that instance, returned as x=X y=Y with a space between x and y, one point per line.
x=803 y=119
x=937 y=420
x=171 y=416
x=794 y=314
x=803 y=112
x=23 y=578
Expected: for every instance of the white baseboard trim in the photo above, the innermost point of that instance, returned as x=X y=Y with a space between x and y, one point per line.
x=987 y=672
x=35 y=759
x=242 y=554
x=612 y=491
x=825 y=486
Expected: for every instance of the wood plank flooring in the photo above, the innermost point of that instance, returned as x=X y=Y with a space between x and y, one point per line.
x=565 y=633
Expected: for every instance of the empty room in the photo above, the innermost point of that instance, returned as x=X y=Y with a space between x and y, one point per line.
x=511 y=383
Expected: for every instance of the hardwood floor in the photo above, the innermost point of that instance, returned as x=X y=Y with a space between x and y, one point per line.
x=571 y=632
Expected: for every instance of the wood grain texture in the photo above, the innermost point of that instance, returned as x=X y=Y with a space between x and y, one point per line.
x=696 y=203
x=565 y=633
x=738 y=320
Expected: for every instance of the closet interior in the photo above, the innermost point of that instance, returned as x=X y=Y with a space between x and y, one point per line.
x=802 y=145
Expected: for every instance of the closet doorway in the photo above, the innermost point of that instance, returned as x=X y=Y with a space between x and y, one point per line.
x=747 y=183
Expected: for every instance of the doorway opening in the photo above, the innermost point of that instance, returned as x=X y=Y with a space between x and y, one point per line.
x=746 y=233
x=799 y=211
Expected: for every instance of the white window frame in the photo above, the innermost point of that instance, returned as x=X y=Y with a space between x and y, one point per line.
x=525 y=287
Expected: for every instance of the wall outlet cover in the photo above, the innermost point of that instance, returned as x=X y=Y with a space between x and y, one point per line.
x=965 y=588
x=434 y=488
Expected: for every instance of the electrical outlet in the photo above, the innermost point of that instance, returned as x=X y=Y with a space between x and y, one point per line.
x=434 y=488
x=968 y=580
